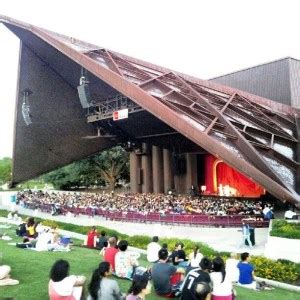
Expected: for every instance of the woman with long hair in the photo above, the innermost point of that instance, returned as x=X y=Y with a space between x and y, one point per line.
x=222 y=286
x=101 y=287
x=140 y=287
x=195 y=257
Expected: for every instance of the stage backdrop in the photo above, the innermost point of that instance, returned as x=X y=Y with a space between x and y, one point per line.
x=217 y=172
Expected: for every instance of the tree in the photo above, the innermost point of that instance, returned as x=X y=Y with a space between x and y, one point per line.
x=5 y=170
x=113 y=165
x=107 y=166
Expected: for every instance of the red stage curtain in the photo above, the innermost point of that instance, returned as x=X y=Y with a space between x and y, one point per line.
x=209 y=181
x=226 y=175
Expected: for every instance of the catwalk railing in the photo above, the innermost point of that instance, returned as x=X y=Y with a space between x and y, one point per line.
x=187 y=219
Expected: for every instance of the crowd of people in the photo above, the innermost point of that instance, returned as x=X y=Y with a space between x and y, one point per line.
x=173 y=274
x=38 y=237
x=62 y=202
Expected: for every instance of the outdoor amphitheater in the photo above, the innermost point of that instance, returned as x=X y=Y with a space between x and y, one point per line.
x=211 y=207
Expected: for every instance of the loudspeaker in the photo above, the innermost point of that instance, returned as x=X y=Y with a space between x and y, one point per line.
x=84 y=95
x=26 y=114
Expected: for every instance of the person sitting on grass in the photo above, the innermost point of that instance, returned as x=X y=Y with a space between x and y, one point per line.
x=246 y=278
x=222 y=286
x=166 y=278
x=21 y=231
x=61 y=285
x=126 y=261
x=152 y=250
x=102 y=241
x=195 y=277
x=101 y=286
x=30 y=228
x=140 y=288
x=5 y=276
x=202 y=291
x=91 y=238
x=232 y=271
x=195 y=257
x=110 y=253
x=178 y=256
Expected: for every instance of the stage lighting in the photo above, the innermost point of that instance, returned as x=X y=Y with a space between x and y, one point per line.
x=26 y=107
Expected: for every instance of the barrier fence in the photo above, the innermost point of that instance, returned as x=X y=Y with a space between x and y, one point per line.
x=187 y=219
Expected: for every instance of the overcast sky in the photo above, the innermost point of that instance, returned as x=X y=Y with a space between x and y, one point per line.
x=200 y=38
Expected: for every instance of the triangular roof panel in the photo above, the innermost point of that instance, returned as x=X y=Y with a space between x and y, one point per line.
x=257 y=136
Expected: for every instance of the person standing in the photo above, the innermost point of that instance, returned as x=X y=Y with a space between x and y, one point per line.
x=246 y=235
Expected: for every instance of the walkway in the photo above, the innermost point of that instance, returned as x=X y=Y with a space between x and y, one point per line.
x=220 y=239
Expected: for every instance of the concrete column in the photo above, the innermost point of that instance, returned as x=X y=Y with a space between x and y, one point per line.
x=180 y=186
x=191 y=171
x=168 y=174
x=297 y=181
x=147 y=186
x=135 y=169
x=157 y=168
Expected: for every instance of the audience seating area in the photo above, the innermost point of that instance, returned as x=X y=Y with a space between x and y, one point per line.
x=210 y=218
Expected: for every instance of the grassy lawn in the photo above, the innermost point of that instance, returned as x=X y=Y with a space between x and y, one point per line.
x=32 y=270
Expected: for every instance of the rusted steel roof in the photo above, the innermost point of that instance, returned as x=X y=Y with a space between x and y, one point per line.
x=255 y=135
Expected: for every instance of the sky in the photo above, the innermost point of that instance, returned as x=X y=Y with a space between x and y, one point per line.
x=200 y=38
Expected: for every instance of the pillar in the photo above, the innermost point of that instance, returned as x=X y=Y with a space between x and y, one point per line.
x=135 y=173
x=157 y=170
x=168 y=174
x=147 y=186
x=297 y=181
x=191 y=171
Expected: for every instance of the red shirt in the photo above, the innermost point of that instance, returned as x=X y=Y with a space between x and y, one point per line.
x=90 y=239
x=109 y=256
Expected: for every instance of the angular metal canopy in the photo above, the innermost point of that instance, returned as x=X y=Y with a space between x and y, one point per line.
x=258 y=137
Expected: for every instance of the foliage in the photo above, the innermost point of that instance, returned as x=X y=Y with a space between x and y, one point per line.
x=107 y=166
x=5 y=170
x=113 y=164
x=284 y=229
x=50 y=223
x=280 y=270
x=31 y=268
x=284 y=271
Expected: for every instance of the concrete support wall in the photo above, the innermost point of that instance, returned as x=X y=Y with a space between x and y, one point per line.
x=191 y=171
x=135 y=165
x=152 y=172
x=147 y=186
x=168 y=174
x=157 y=168
x=298 y=157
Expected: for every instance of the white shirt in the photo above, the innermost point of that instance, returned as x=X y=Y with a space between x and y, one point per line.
x=232 y=271
x=195 y=261
x=65 y=287
x=43 y=240
x=220 y=288
x=266 y=210
x=289 y=214
x=152 y=251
